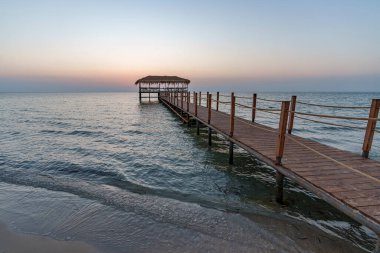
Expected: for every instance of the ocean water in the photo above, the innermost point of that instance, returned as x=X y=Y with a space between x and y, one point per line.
x=104 y=168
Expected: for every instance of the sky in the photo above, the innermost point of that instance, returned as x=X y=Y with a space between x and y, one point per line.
x=264 y=45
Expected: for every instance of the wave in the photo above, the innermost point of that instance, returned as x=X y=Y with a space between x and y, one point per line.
x=225 y=226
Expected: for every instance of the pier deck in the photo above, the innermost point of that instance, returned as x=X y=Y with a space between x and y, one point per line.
x=347 y=181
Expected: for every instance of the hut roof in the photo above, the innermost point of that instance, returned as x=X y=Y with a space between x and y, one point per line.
x=162 y=79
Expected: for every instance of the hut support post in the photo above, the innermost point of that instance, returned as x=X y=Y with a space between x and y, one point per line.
x=200 y=98
x=217 y=101
x=149 y=92
x=232 y=115
x=197 y=127
x=291 y=114
x=282 y=131
x=371 y=125
x=280 y=187
x=254 y=102
x=207 y=99
x=140 y=92
x=231 y=153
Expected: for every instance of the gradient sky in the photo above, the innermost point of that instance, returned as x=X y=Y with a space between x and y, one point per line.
x=231 y=45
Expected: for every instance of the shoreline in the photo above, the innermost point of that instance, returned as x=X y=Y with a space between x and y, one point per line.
x=25 y=243
x=92 y=226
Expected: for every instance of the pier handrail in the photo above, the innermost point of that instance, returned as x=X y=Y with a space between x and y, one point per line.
x=293 y=113
x=334 y=116
x=334 y=106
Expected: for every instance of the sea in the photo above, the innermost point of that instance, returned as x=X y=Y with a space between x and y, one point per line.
x=126 y=176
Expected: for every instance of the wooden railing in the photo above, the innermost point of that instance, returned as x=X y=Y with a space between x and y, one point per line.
x=287 y=114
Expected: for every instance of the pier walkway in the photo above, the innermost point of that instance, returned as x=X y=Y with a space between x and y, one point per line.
x=347 y=181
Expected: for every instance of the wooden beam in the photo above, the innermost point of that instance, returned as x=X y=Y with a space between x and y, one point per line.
x=195 y=104
x=280 y=187
x=232 y=114
x=280 y=144
x=371 y=125
x=254 y=102
x=291 y=113
x=209 y=108
x=217 y=101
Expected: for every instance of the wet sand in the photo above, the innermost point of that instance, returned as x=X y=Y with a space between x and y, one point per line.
x=24 y=243
x=143 y=223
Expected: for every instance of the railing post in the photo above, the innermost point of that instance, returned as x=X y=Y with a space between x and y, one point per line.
x=232 y=114
x=207 y=98
x=209 y=108
x=200 y=98
x=254 y=102
x=371 y=125
x=195 y=104
x=282 y=131
x=291 y=114
x=217 y=101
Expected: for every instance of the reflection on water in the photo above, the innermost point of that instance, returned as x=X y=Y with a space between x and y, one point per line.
x=108 y=147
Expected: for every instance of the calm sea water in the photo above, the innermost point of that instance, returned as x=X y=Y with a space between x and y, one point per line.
x=155 y=175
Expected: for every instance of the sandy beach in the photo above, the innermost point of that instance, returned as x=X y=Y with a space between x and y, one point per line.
x=24 y=243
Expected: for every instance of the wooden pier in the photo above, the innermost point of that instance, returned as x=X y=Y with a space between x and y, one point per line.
x=347 y=181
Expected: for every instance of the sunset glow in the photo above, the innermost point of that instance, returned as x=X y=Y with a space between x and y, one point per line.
x=116 y=42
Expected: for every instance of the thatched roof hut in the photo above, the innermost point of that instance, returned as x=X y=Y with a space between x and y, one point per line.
x=162 y=79
x=158 y=84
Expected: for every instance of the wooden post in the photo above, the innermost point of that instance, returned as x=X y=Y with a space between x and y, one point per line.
x=232 y=114
x=195 y=104
x=282 y=131
x=207 y=99
x=149 y=92
x=140 y=92
x=280 y=187
x=197 y=127
x=254 y=102
x=209 y=136
x=200 y=98
x=371 y=125
x=291 y=114
x=209 y=108
x=217 y=101
x=182 y=100
x=188 y=101
x=231 y=153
